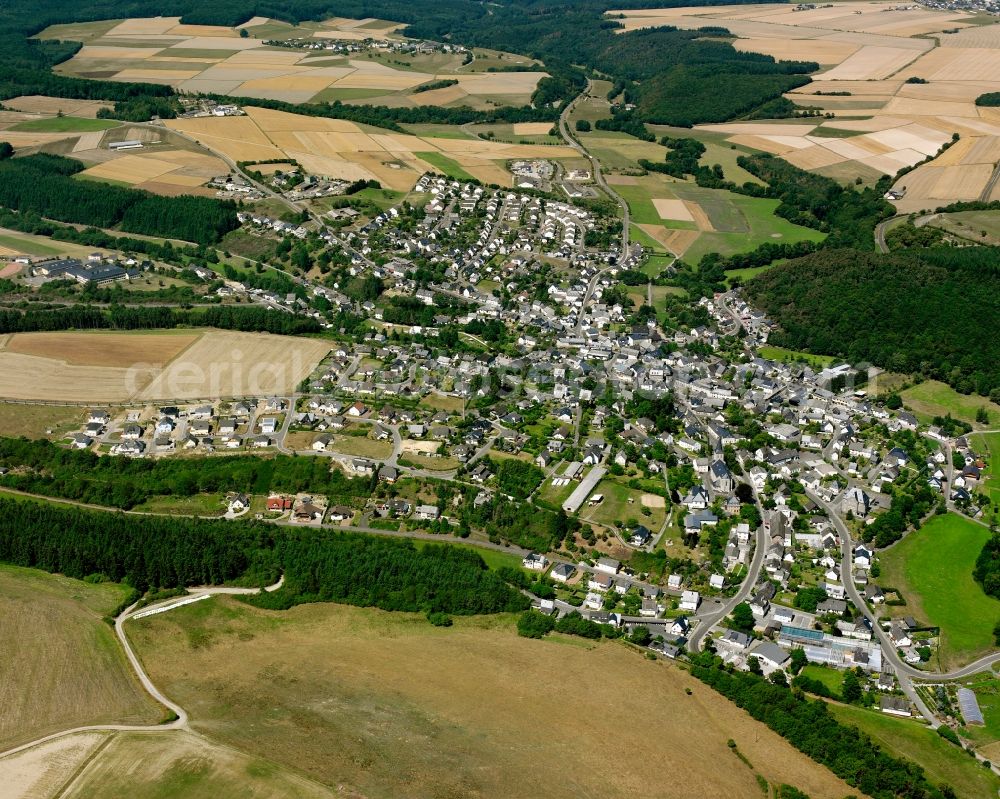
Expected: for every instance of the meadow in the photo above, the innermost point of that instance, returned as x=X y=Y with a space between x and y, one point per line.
x=943 y=762
x=989 y=444
x=62 y=665
x=331 y=692
x=932 y=568
x=933 y=398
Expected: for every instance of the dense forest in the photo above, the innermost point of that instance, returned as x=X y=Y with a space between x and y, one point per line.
x=45 y=185
x=245 y=318
x=810 y=728
x=931 y=312
x=987 y=571
x=672 y=75
x=318 y=566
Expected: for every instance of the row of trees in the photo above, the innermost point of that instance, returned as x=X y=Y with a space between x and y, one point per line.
x=41 y=467
x=149 y=552
x=987 y=571
x=44 y=185
x=809 y=726
x=245 y=318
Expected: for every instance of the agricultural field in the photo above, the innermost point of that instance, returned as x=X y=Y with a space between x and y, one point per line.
x=137 y=765
x=340 y=149
x=62 y=665
x=932 y=568
x=166 y=163
x=220 y=60
x=330 y=692
x=943 y=762
x=115 y=367
x=868 y=51
x=38 y=421
x=932 y=398
x=65 y=124
x=223 y=364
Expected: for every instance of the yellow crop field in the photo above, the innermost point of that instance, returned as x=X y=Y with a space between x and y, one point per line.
x=238 y=62
x=340 y=149
x=223 y=364
x=111 y=367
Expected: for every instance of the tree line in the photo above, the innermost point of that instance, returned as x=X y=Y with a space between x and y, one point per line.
x=809 y=726
x=318 y=566
x=45 y=185
x=42 y=467
x=245 y=318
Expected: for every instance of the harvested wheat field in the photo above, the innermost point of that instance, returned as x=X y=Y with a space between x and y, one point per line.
x=152 y=170
x=224 y=364
x=40 y=104
x=337 y=148
x=332 y=692
x=219 y=59
x=116 y=367
x=140 y=765
x=673 y=209
x=41 y=771
x=62 y=666
x=102 y=349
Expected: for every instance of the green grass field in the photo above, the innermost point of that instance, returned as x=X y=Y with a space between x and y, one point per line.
x=933 y=569
x=29 y=245
x=943 y=762
x=754 y=215
x=831 y=678
x=445 y=165
x=933 y=398
x=65 y=125
x=781 y=354
x=989 y=445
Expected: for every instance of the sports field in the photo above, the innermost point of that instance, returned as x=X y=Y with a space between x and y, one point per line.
x=115 y=367
x=383 y=704
x=62 y=666
x=933 y=569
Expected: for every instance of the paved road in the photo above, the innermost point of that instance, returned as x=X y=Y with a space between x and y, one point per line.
x=595 y=165
x=880 y=229
x=991 y=184
x=746 y=588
